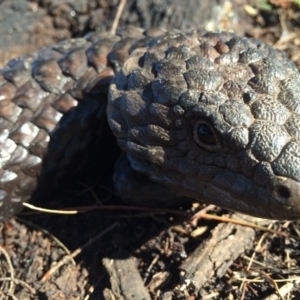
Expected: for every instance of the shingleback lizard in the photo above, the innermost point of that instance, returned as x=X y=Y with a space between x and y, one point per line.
x=202 y=115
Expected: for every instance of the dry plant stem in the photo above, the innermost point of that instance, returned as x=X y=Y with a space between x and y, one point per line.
x=243 y=292
x=274 y=283
x=258 y=246
x=118 y=16
x=237 y=222
x=154 y=261
x=89 y=189
x=76 y=252
x=254 y=261
x=11 y=269
x=13 y=296
x=84 y=209
x=199 y=213
x=280 y=292
x=284 y=290
x=50 y=211
x=276 y=280
x=128 y=207
x=18 y=281
x=210 y=296
x=254 y=292
x=90 y=291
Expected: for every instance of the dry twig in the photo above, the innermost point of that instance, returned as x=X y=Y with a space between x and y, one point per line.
x=118 y=16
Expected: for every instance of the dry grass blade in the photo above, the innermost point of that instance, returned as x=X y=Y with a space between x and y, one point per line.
x=118 y=16
x=50 y=211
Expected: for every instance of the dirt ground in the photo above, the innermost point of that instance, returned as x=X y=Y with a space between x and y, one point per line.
x=111 y=250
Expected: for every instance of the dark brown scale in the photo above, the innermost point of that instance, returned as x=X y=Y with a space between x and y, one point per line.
x=39 y=143
x=18 y=71
x=74 y=63
x=97 y=53
x=49 y=75
x=64 y=102
x=46 y=116
x=120 y=52
x=18 y=134
x=7 y=91
x=131 y=32
x=9 y=110
x=29 y=95
x=78 y=87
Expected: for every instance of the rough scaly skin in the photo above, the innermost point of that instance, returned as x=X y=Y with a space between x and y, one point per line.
x=245 y=91
x=65 y=83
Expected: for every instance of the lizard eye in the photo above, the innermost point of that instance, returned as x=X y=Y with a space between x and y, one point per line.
x=206 y=136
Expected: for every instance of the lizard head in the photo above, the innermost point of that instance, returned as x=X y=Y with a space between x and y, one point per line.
x=214 y=117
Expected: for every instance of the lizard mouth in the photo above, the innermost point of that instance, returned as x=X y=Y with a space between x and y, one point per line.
x=278 y=199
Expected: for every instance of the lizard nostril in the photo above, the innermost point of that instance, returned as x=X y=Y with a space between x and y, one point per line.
x=285 y=198
x=283 y=191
